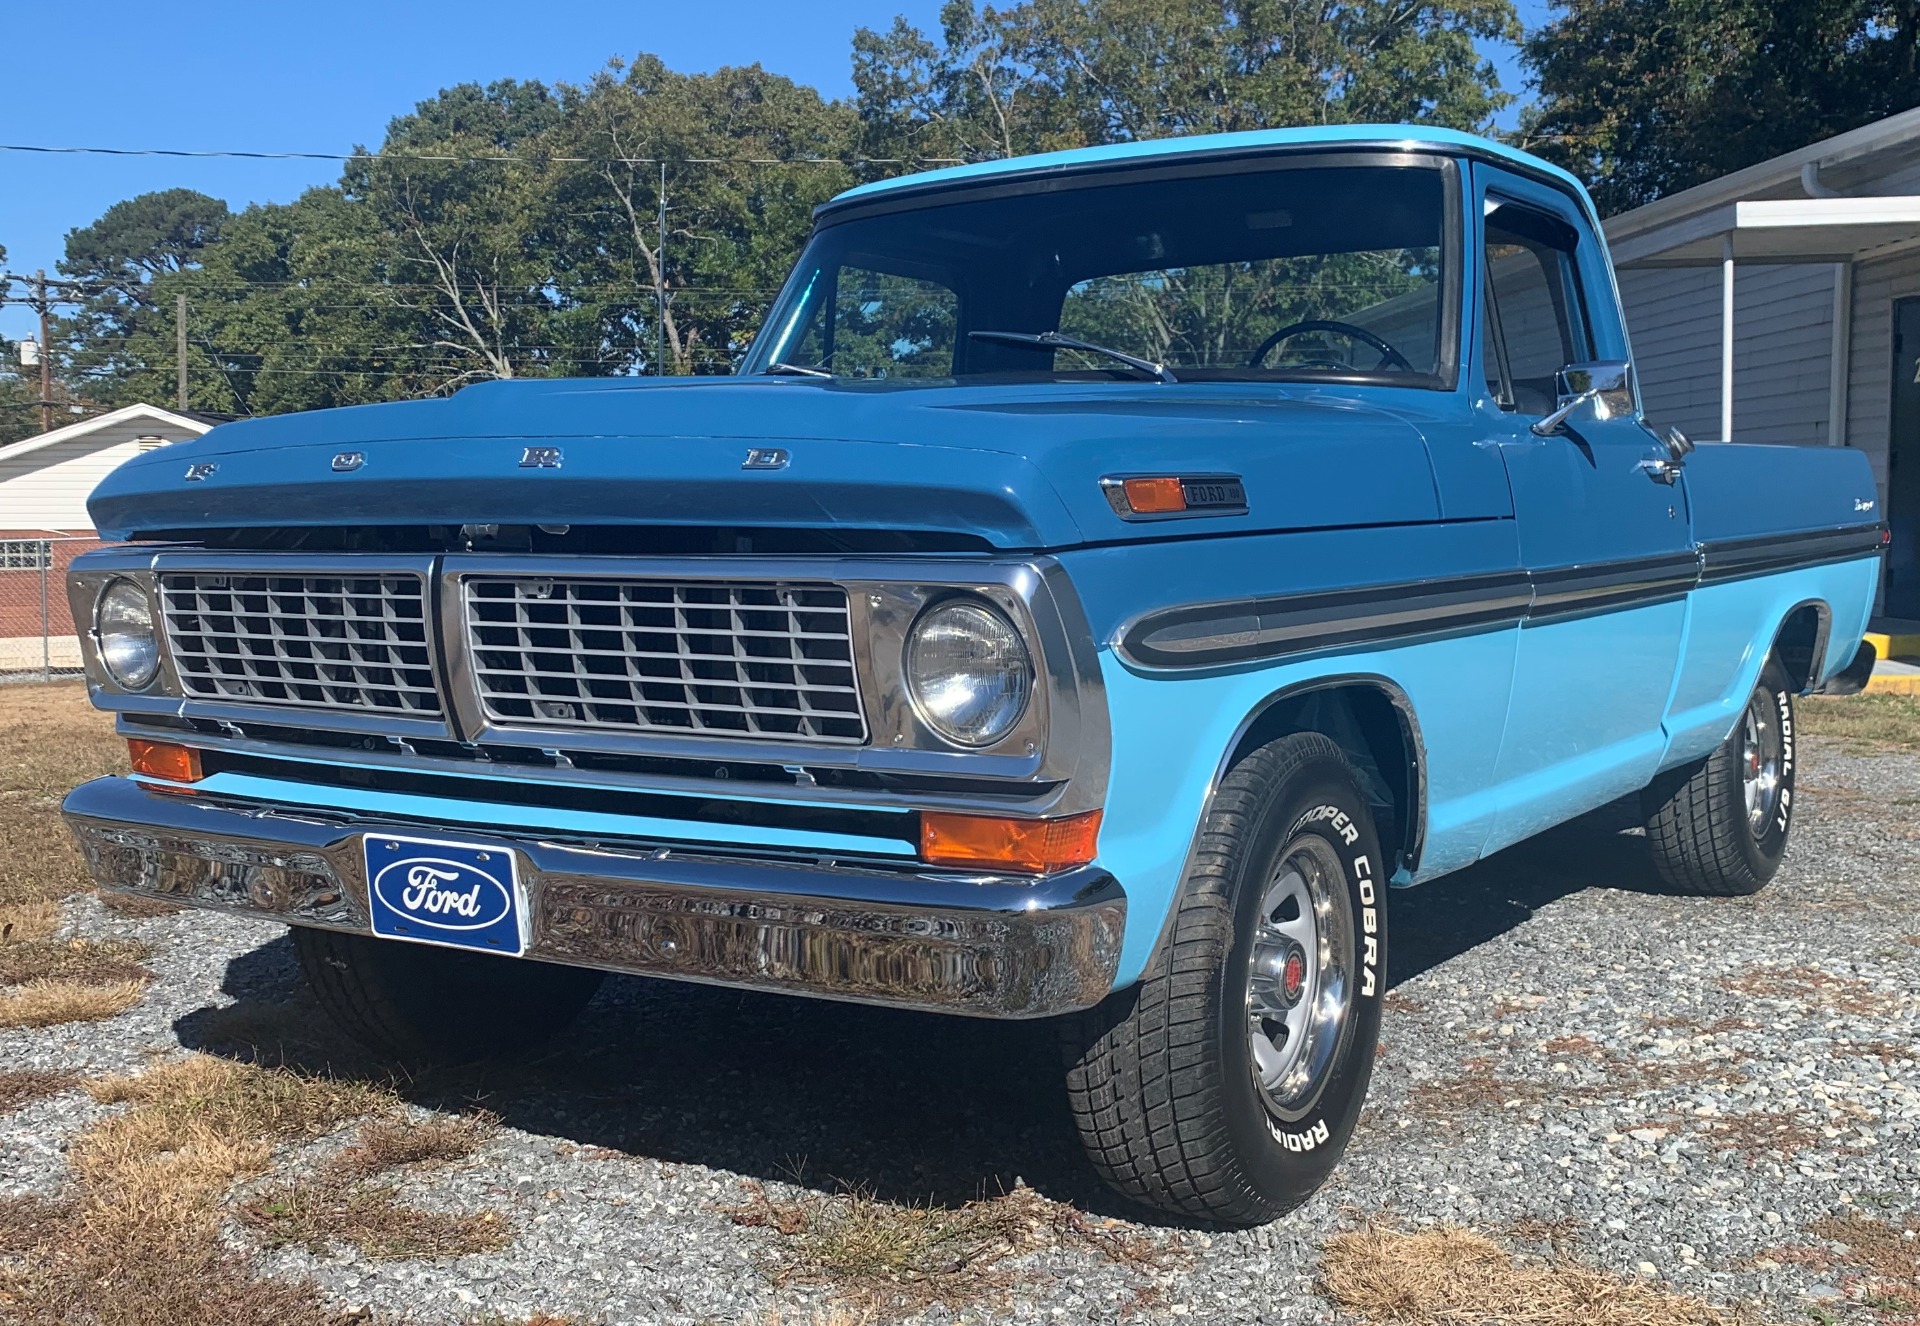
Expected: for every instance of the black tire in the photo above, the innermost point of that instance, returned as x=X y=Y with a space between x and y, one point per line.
x=1161 y=1077
x=1699 y=826
x=418 y=1003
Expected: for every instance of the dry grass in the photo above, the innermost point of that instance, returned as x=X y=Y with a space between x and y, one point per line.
x=47 y=1003
x=1863 y=720
x=92 y=961
x=28 y=922
x=384 y=1145
x=28 y=1085
x=140 y=1240
x=1754 y=1134
x=890 y=1257
x=1888 y=1256
x=27 y=1221
x=341 y=1206
x=50 y=739
x=1810 y=985
x=371 y=1217
x=1878 y=1264
x=1456 y=1277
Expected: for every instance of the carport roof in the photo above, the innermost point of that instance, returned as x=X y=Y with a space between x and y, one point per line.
x=1786 y=209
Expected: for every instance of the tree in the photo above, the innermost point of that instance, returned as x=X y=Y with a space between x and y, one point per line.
x=1647 y=97
x=1065 y=73
x=740 y=152
x=116 y=260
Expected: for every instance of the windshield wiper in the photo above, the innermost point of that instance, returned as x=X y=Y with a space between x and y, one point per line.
x=1051 y=340
x=781 y=369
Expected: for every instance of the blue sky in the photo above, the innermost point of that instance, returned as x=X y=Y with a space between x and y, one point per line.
x=276 y=77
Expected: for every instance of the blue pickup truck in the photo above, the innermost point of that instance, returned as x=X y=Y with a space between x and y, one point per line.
x=1109 y=575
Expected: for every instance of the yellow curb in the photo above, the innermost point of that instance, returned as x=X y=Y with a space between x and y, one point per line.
x=1905 y=683
x=1888 y=644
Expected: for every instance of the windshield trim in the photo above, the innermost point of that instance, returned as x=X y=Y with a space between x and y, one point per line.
x=1446 y=375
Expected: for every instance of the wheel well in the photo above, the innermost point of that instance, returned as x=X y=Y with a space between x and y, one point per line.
x=1800 y=643
x=1373 y=723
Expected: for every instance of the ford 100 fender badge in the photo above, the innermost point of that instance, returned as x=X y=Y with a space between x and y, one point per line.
x=540 y=458
x=346 y=462
x=200 y=469
x=765 y=458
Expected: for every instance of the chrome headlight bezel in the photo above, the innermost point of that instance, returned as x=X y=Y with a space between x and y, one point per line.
x=969 y=615
x=123 y=609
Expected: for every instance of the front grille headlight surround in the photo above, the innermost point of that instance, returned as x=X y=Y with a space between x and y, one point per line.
x=90 y=577
x=126 y=634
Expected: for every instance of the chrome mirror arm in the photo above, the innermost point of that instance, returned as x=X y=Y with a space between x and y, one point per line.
x=1549 y=425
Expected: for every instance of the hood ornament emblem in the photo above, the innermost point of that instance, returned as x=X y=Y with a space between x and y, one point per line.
x=766 y=458
x=200 y=469
x=540 y=458
x=347 y=461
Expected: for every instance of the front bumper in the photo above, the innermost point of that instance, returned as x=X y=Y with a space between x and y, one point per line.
x=990 y=946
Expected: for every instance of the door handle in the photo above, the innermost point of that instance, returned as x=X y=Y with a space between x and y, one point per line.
x=1666 y=469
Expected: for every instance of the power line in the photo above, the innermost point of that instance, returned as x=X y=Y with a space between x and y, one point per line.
x=460 y=158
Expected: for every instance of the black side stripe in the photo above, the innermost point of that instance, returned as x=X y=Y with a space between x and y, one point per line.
x=1737 y=559
x=1247 y=630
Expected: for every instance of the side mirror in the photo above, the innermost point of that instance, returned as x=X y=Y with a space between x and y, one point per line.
x=1679 y=445
x=1606 y=384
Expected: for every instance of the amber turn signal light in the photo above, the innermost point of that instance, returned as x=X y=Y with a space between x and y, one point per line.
x=1155 y=497
x=164 y=759
x=1008 y=844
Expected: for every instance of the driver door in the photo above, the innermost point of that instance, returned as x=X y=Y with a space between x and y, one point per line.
x=1609 y=545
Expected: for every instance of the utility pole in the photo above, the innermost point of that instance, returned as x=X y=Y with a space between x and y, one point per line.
x=180 y=350
x=660 y=285
x=46 y=354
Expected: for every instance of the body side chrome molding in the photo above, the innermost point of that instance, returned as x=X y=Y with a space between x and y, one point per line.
x=1236 y=631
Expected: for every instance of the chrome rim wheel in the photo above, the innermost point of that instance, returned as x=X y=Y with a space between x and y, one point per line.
x=1299 y=977
x=1761 y=756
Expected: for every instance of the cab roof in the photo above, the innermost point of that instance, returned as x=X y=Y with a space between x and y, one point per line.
x=1397 y=137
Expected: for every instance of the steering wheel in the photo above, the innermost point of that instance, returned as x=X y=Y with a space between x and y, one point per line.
x=1388 y=355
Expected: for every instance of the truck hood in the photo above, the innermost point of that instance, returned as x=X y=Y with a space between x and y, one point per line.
x=1016 y=466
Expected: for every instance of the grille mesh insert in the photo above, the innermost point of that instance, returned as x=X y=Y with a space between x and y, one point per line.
x=767 y=660
x=358 y=643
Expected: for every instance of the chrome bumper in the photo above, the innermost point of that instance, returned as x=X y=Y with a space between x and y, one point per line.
x=994 y=946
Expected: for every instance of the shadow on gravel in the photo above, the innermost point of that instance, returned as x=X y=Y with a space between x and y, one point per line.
x=909 y=1107
x=1434 y=923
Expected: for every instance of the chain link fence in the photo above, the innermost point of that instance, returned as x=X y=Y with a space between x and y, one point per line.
x=38 y=641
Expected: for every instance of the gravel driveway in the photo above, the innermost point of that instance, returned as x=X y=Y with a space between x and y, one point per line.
x=1668 y=1088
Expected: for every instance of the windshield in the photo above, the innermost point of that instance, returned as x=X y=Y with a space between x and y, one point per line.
x=1290 y=273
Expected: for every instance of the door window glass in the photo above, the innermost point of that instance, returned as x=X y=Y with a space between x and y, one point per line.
x=1535 y=321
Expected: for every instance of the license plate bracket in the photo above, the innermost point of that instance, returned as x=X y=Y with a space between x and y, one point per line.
x=445 y=892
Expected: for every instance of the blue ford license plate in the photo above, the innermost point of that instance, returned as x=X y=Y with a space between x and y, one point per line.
x=433 y=892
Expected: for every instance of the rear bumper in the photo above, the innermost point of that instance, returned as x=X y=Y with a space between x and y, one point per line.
x=990 y=946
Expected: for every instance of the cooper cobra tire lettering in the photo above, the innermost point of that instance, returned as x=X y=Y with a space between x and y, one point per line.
x=1369 y=927
x=1163 y=1079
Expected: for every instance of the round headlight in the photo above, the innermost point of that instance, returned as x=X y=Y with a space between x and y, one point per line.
x=968 y=672
x=123 y=626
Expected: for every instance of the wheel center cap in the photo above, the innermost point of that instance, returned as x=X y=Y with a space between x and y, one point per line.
x=1293 y=975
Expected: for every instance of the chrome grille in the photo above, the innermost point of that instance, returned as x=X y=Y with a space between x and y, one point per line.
x=358 y=643
x=711 y=658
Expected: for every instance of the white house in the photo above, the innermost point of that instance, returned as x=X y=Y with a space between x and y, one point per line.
x=44 y=481
x=1781 y=303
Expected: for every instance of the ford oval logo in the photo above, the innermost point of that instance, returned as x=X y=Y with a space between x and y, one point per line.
x=442 y=894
